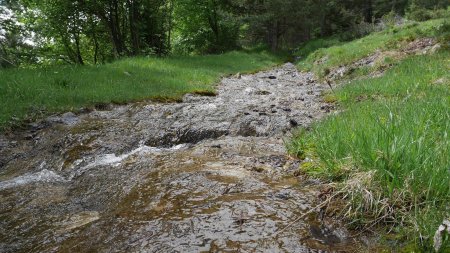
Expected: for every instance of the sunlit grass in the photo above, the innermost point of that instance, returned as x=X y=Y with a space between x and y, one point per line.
x=333 y=53
x=393 y=131
x=24 y=93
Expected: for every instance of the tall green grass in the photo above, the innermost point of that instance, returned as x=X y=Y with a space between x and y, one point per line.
x=389 y=148
x=25 y=92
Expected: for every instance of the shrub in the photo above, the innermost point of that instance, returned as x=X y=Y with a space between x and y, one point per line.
x=390 y=19
x=418 y=13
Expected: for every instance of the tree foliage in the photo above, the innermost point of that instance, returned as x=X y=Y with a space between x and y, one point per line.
x=96 y=31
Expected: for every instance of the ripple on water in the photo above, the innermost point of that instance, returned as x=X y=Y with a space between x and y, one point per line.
x=114 y=160
x=44 y=175
x=48 y=176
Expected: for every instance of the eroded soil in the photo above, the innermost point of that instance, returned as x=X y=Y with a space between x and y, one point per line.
x=210 y=174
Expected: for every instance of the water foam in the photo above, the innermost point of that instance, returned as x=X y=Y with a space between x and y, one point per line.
x=114 y=160
x=44 y=175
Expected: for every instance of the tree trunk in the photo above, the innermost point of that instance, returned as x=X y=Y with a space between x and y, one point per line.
x=4 y=61
x=133 y=12
x=169 y=30
x=274 y=36
x=79 y=57
x=368 y=11
x=213 y=22
x=114 y=26
x=96 y=47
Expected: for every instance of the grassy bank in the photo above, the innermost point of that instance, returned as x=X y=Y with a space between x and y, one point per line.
x=332 y=52
x=388 y=150
x=25 y=93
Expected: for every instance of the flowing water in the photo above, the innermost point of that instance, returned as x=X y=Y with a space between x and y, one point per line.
x=210 y=174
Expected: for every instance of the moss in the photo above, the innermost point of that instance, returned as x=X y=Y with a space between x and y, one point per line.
x=330 y=98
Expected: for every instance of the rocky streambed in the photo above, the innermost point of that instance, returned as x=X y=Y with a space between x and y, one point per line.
x=209 y=174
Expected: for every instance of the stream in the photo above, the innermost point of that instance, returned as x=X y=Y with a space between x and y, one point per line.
x=209 y=174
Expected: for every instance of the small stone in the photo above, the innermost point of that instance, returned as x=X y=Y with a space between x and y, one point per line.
x=35 y=127
x=293 y=122
x=435 y=48
x=258 y=169
x=262 y=93
x=283 y=195
x=272 y=77
x=29 y=137
x=441 y=81
x=144 y=244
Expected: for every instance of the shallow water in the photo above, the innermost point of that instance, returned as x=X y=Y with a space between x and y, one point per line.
x=207 y=175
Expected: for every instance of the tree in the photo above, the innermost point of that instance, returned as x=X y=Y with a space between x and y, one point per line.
x=92 y=31
x=205 y=26
x=16 y=41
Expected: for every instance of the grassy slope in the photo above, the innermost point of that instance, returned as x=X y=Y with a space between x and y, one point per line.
x=24 y=92
x=389 y=149
x=340 y=53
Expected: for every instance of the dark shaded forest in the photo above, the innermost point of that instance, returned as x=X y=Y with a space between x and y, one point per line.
x=97 y=31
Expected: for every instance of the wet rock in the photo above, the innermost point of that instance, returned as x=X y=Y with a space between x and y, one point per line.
x=183 y=136
x=3 y=143
x=293 y=123
x=29 y=136
x=68 y=118
x=258 y=169
x=103 y=106
x=284 y=195
x=36 y=126
x=262 y=92
x=327 y=108
x=324 y=234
